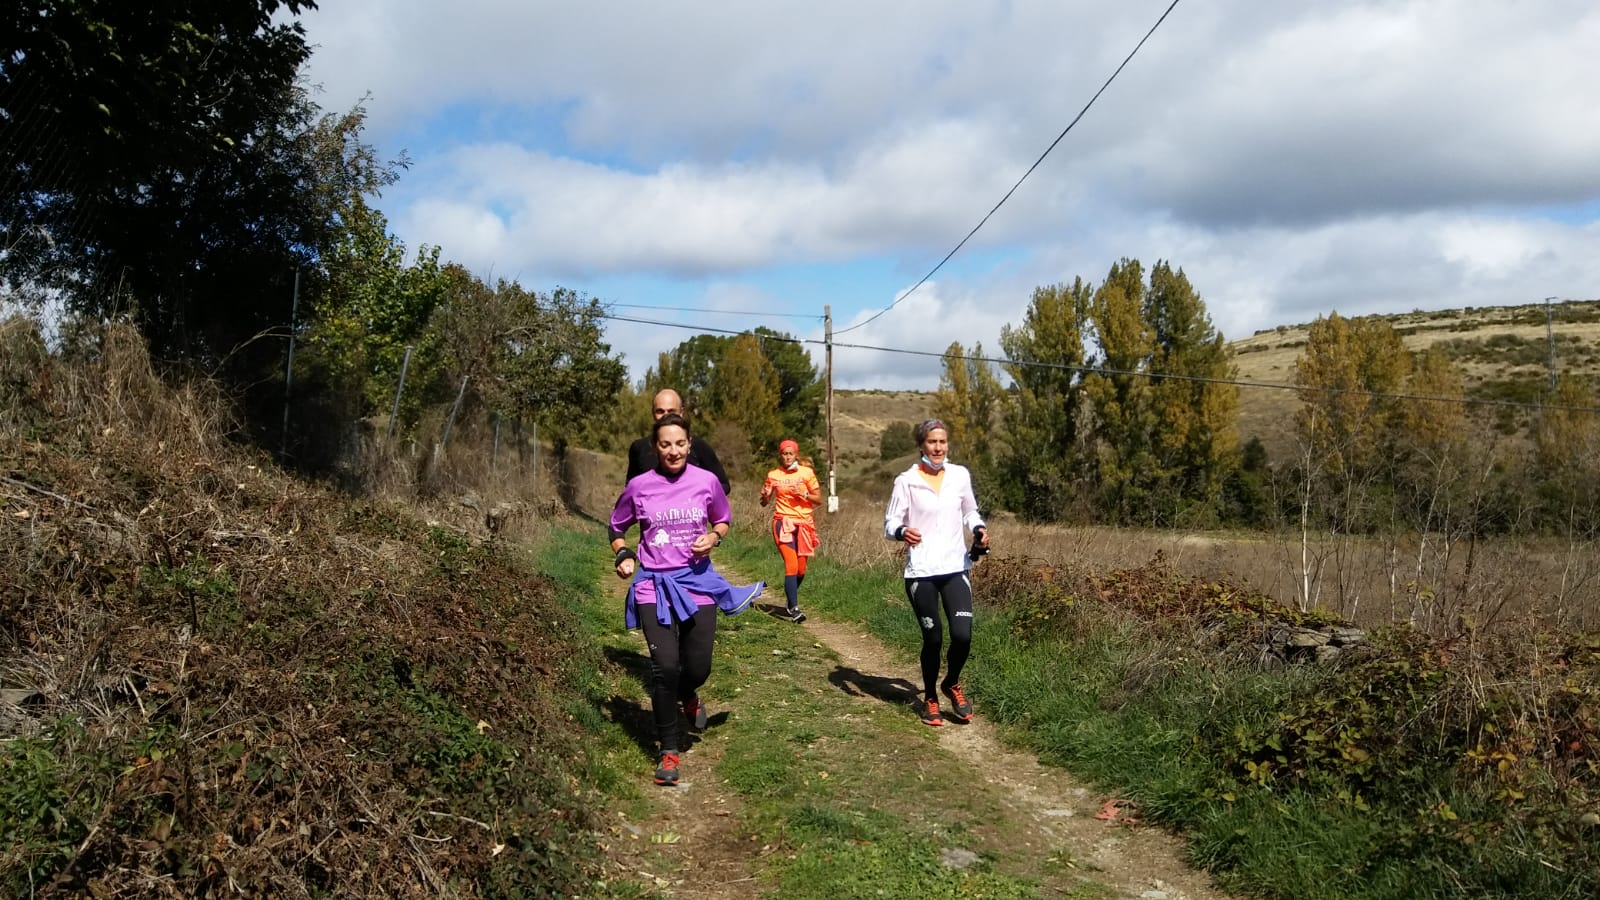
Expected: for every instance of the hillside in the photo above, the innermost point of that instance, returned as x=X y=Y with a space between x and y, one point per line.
x=1502 y=350
x=859 y=420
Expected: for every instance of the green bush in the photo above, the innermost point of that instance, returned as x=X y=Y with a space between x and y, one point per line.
x=896 y=440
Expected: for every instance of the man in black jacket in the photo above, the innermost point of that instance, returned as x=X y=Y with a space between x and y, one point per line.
x=642 y=456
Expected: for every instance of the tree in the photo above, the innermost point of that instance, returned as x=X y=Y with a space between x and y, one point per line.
x=896 y=440
x=689 y=369
x=1348 y=375
x=744 y=395
x=160 y=158
x=1567 y=455
x=559 y=371
x=968 y=400
x=1041 y=455
x=799 y=385
x=372 y=304
x=620 y=422
x=1442 y=484
x=1346 y=369
x=1196 y=416
x=1127 y=466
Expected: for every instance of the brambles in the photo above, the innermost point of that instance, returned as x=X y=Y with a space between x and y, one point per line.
x=247 y=684
x=1409 y=760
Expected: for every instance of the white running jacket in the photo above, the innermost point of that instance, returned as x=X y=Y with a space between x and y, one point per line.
x=939 y=515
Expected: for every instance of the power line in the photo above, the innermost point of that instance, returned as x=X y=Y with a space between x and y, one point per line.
x=765 y=337
x=696 y=309
x=991 y=212
x=1153 y=376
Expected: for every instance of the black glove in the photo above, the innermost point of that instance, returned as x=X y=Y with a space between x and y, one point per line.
x=977 y=549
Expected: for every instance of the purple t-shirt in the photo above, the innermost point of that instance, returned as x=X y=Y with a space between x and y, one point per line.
x=670 y=513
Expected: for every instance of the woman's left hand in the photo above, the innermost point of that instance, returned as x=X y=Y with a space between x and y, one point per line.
x=702 y=544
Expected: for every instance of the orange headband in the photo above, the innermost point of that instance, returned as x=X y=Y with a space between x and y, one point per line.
x=788 y=445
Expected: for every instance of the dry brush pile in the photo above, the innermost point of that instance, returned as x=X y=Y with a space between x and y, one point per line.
x=1509 y=719
x=220 y=680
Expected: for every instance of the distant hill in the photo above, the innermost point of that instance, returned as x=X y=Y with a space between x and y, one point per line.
x=1503 y=350
x=859 y=419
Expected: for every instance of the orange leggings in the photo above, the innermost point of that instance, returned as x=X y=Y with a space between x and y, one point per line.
x=793 y=562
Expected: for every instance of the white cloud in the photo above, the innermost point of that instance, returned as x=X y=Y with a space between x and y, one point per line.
x=1292 y=158
x=522 y=209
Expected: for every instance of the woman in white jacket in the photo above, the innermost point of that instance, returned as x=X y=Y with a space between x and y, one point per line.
x=932 y=502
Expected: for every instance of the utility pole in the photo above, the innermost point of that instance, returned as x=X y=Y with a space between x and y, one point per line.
x=827 y=325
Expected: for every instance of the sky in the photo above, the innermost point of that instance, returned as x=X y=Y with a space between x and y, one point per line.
x=735 y=165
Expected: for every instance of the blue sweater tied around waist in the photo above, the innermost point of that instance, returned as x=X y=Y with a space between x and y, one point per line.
x=673 y=588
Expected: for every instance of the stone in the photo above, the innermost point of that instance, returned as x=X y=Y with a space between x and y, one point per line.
x=20 y=696
x=1308 y=637
x=958 y=858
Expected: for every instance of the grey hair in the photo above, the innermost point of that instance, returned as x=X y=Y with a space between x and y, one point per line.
x=920 y=433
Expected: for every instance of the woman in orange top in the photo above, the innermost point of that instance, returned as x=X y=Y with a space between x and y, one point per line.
x=793 y=490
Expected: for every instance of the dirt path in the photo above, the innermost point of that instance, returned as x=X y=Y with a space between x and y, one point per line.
x=692 y=843
x=1136 y=860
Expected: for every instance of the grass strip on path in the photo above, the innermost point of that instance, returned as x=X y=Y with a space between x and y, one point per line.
x=838 y=798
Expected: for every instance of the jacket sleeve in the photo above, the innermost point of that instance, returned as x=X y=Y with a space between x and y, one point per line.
x=894 y=515
x=970 y=516
x=636 y=459
x=706 y=458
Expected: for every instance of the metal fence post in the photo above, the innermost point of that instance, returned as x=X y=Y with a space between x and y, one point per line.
x=288 y=368
x=444 y=442
x=394 y=413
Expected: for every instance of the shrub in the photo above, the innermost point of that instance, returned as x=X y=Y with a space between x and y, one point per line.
x=896 y=441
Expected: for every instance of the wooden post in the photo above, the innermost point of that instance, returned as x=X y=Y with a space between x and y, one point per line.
x=827 y=319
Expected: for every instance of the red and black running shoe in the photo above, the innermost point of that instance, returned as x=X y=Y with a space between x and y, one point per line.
x=667 y=770
x=695 y=712
x=960 y=709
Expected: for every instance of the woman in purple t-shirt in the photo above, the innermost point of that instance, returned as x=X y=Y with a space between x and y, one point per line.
x=682 y=514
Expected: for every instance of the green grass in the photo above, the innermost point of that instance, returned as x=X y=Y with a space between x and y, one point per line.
x=573 y=560
x=854 y=798
x=1116 y=706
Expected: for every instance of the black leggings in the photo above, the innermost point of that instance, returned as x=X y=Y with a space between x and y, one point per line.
x=680 y=661
x=925 y=594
